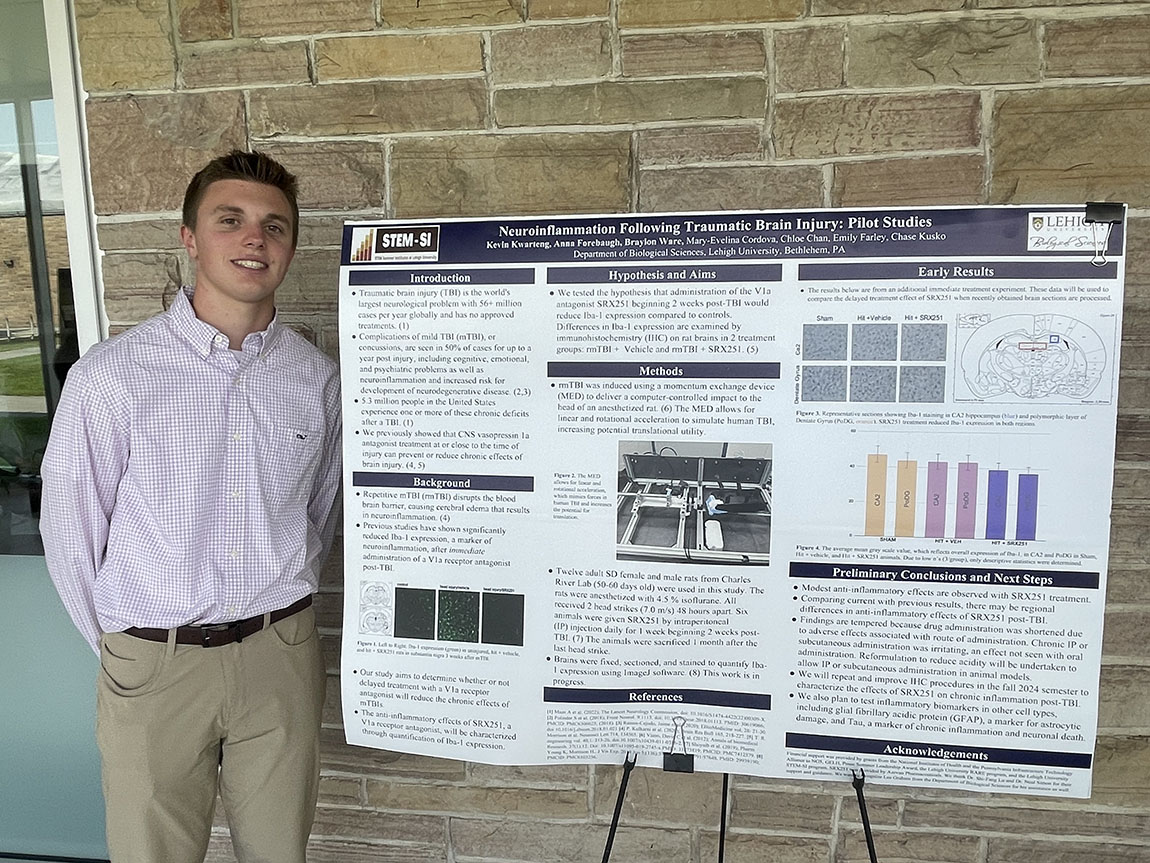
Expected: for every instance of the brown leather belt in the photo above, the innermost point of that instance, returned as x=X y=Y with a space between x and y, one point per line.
x=218 y=634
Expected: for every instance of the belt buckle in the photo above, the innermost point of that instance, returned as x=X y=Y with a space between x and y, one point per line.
x=206 y=633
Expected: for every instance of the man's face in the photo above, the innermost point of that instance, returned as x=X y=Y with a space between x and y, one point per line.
x=242 y=244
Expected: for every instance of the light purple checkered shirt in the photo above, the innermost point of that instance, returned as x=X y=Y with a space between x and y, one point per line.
x=185 y=482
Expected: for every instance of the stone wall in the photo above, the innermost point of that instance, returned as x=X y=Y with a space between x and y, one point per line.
x=17 y=299
x=413 y=108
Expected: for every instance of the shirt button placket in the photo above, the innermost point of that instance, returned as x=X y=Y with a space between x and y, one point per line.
x=238 y=463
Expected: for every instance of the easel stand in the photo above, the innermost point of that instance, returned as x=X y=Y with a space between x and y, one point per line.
x=858 y=780
x=683 y=762
x=673 y=762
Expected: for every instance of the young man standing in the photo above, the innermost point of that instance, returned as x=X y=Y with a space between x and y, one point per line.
x=189 y=488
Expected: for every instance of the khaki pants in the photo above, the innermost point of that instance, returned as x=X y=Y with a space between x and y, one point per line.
x=174 y=722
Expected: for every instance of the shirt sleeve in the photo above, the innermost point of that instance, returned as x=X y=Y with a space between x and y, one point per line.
x=323 y=508
x=85 y=458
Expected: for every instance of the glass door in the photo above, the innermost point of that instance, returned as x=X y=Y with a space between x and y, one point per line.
x=50 y=802
x=38 y=339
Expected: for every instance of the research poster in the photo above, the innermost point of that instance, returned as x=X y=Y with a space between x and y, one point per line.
x=786 y=494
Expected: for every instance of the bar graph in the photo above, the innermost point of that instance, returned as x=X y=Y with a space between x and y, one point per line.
x=938 y=499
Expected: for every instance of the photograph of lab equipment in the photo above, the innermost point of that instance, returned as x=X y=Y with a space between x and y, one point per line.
x=694 y=501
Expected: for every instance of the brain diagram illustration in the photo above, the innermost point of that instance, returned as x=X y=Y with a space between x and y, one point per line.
x=1051 y=357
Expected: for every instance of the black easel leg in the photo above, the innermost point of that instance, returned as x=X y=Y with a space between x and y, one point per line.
x=858 y=780
x=723 y=816
x=628 y=765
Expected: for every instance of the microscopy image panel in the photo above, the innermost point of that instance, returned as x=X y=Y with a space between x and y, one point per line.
x=922 y=384
x=873 y=383
x=414 y=613
x=923 y=342
x=458 y=615
x=874 y=342
x=503 y=618
x=824 y=341
x=824 y=384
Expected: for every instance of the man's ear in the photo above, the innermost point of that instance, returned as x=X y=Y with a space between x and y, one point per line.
x=188 y=238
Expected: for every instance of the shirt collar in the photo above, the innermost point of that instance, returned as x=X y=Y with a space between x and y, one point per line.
x=202 y=336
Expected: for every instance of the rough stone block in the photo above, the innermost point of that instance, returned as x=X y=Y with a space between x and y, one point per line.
x=139 y=235
x=1138 y=261
x=779 y=811
x=1132 y=481
x=383 y=828
x=376 y=108
x=987 y=51
x=693 y=53
x=569 y=775
x=556 y=52
x=245 y=63
x=145 y=149
x=1111 y=46
x=1125 y=583
x=276 y=18
x=331 y=576
x=511 y=174
x=881 y=811
x=1124 y=703
x=854 y=125
x=125 y=46
x=200 y=20
x=655 y=796
x=685 y=144
x=678 y=13
x=546 y=9
x=398 y=55
x=883 y=7
x=325 y=230
x=312 y=283
x=567 y=843
x=1007 y=850
x=347 y=851
x=730 y=188
x=1011 y=4
x=1133 y=391
x=332 y=706
x=1124 y=634
x=1019 y=818
x=331 y=652
x=919 y=847
x=1129 y=530
x=810 y=58
x=328 y=610
x=628 y=102
x=753 y=848
x=340 y=790
x=517 y=802
x=135 y=284
x=1071 y=144
x=1122 y=771
x=448 y=13
x=911 y=182
x=338 y=755
x=335 y=175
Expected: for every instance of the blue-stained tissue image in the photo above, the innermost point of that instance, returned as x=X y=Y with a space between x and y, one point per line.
x=824 y=341
x=874 y=342
x=824 y=384
x=873 y=383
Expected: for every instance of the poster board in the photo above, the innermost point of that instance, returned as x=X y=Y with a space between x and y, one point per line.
x=797 y=492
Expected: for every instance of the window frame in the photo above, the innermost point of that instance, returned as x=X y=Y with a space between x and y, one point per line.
x=68 y=97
